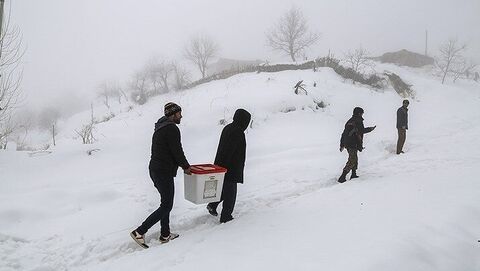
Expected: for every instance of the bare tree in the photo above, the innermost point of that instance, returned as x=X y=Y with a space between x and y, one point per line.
x=200 y=50
x=358 y=60
x=7 y=128
x=464 y=70
x=104 y=93
x=158 y=74
x=47 y=117
x=11 y=52
x=451 y=58
x=139 y=86
x=107 y=90
x=54 y=133
x=23 y=135
x=291 y=35
x=182 y=76
x=86 y=132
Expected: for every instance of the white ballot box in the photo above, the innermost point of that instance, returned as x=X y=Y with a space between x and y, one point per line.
x=205 y=184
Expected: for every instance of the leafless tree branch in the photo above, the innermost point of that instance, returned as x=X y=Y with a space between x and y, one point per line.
x=451 y=59
x=11 y=52
x=182 y=76
x=200 y=50
x=290 y=35
x=358 y=60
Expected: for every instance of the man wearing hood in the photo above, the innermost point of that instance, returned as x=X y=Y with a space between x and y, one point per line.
x=352 y=139
x=166 y=156
x=231 y=155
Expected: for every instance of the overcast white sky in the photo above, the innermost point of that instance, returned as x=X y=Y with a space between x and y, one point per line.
x=73 y=45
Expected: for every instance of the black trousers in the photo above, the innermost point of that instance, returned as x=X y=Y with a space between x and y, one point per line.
x=166 y=188
x=402 y=136
x=229 y=196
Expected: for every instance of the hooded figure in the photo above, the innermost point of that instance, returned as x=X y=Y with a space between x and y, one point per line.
x=352 y=139
x=231 y=155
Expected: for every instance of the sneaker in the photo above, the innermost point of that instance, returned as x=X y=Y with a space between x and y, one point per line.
x=212 y=211
x=171 y=236
x=138 y=238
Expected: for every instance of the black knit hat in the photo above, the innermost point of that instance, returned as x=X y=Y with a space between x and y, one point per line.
x=171 y=109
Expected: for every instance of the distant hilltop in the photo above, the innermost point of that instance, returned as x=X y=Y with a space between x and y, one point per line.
x=406 y=58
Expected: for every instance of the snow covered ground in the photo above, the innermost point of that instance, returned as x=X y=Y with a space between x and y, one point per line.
x=67 y=210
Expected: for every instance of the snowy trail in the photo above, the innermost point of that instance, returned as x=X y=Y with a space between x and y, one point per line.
x=192 y=222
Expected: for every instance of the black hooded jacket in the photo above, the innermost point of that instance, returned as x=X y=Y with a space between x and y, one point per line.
x=232 y=147
x=352 y=136
x=167 y=151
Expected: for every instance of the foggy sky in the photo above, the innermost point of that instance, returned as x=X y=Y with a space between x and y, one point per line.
x=73 y=45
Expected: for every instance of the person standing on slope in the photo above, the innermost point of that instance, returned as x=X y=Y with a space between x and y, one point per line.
x=231 y=155
x=352 y=139
x=166 y=156
x=402 y=125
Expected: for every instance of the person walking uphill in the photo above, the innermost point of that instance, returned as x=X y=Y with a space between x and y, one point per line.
x=352 y=139
x=402 y=125
x=231 y=155
x=167 y=155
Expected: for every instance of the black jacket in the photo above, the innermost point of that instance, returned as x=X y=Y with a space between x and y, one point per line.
x=232 y=147
x=402 y=117
x=167 y=152
x=352 y=136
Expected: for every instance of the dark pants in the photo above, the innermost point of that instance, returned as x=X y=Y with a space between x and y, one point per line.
x=229 y=195
x=352 y=163
x=402 y=136
x=166 y=188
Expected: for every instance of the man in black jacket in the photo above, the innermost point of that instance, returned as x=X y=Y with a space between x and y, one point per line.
x=402 y=125
x=352 y=139
x=231 y=155
x=167 y=156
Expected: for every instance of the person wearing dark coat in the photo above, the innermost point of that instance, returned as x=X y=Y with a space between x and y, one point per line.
x=231 y=155
x=352 y=140
x=166 y=156
x=402 y=125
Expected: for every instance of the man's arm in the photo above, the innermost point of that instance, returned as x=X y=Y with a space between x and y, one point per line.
x=401 y=118
x=175 y=145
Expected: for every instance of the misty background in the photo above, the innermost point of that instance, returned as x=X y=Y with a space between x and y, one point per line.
x=72 y=46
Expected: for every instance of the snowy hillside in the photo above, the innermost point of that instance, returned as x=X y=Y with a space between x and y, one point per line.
x=419 y=211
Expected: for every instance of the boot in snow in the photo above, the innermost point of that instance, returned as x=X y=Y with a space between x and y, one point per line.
x=342 y=177
x=226 y=219
x=211 y=210
x=354 y=174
